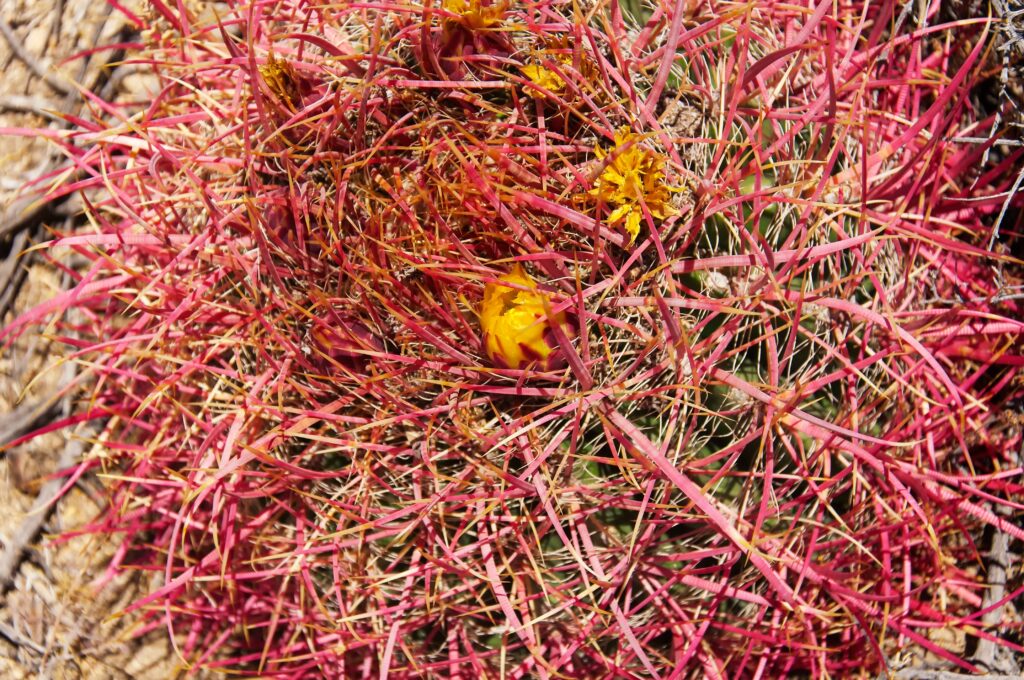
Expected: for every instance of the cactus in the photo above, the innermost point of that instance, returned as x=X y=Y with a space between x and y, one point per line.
x=552 y=339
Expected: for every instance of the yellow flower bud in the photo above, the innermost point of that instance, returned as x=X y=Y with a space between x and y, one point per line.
x=517 y=323
x=543 y=77
x=474 y=13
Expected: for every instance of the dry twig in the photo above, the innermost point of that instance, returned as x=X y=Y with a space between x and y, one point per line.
x=22 y=420
x=46 y=73
x=30 y=527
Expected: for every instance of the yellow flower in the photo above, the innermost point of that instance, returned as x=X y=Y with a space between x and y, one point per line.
x=543 y=78
x=516 y=323
x=474 y=13
x=634 y=176
x=574 y=62
x=281 y=79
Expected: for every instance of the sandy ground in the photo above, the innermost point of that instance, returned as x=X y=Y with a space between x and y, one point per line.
x=55 y=621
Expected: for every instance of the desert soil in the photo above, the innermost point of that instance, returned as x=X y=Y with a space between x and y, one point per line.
x=55 y=619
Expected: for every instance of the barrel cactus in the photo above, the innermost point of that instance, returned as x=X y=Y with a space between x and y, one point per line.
x=555 y=339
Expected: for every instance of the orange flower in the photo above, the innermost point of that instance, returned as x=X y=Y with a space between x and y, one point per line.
x=517 y=323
